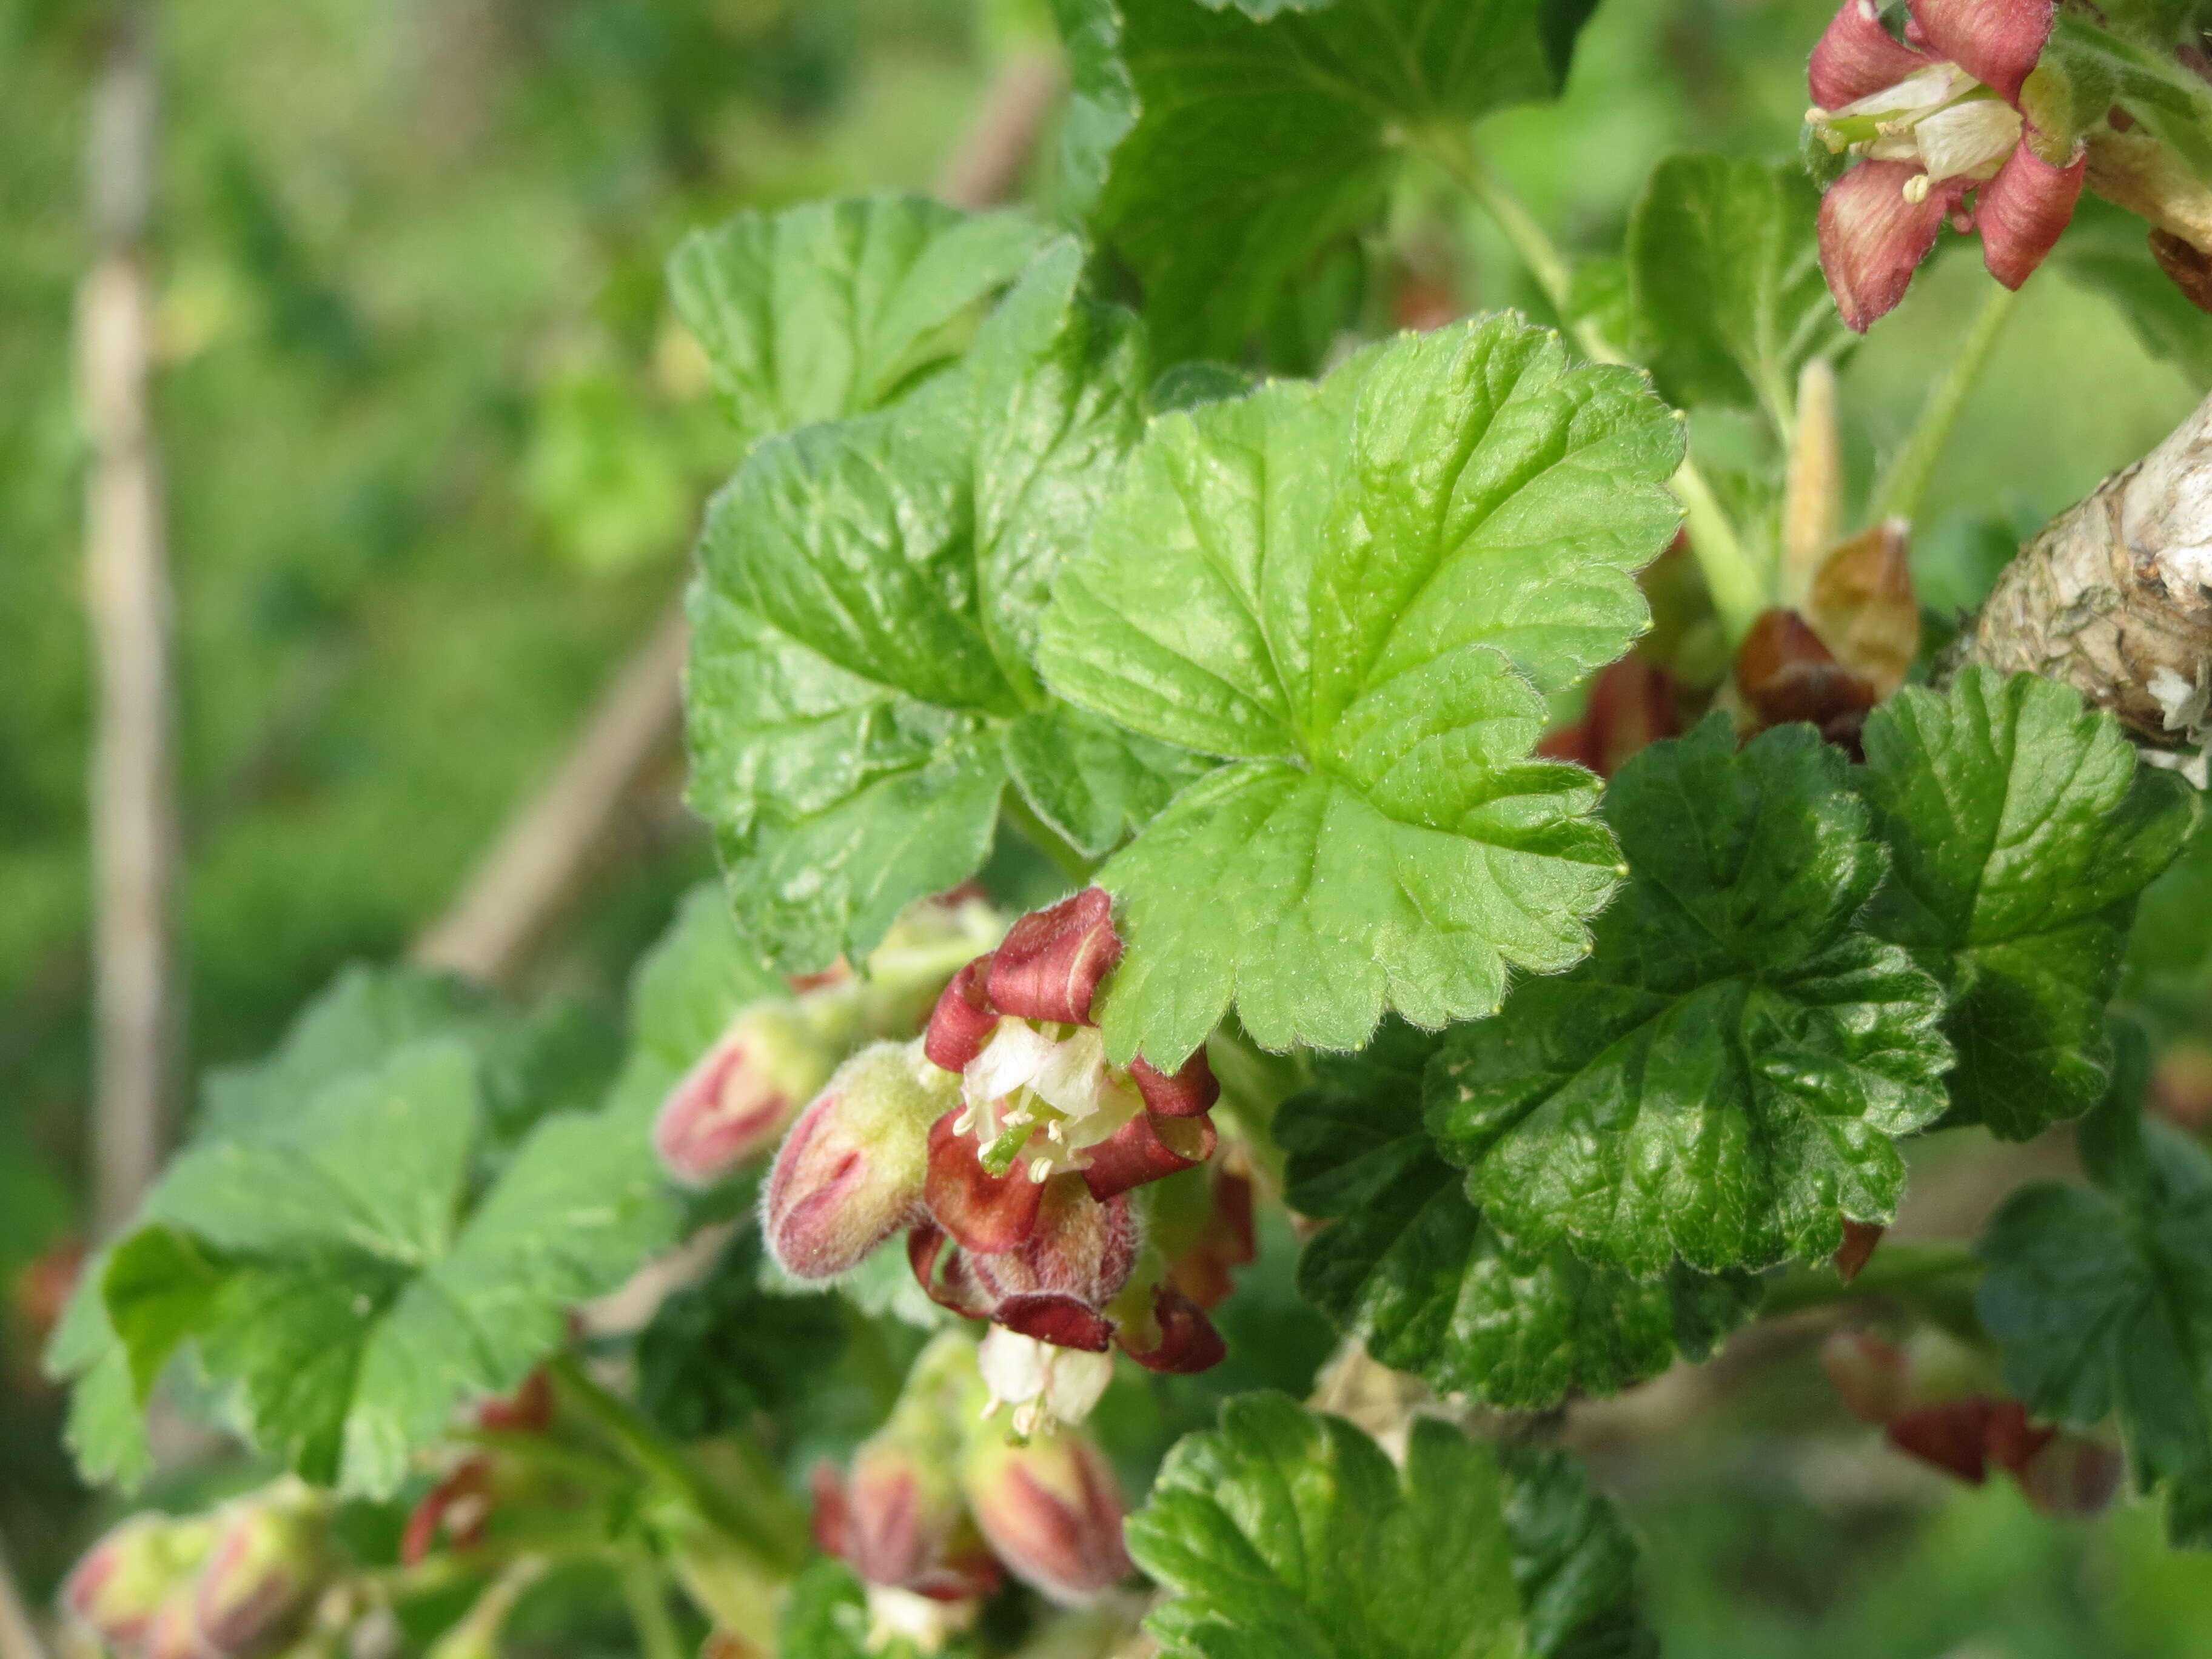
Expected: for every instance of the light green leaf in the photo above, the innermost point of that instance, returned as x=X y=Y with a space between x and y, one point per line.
x=1361 y=588
x=836 y=308
x=1286 y=1535
x=106 y=1432
x=1419 y=1275
x=1725 y=284
x=1725 y=1079
x=1091 y=782
x=2102 y=1303
x=2020 y=829
x=1242 y=147
x=866 y=612
x=324 y=1267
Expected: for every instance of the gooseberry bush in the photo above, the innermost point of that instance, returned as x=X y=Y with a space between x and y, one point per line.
x=1300 y=898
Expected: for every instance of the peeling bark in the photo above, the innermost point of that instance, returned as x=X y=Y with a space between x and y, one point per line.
x=2114 y=597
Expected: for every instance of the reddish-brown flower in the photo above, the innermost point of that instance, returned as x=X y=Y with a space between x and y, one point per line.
x=1935 y=123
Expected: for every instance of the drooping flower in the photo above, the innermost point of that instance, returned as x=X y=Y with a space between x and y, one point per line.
x=1937 y=127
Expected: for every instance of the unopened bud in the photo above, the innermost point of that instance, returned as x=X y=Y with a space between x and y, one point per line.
x=2071 y=1475
x=173 y=1632
x=1051 y=1510
x=851 y=1172
x=731 y=1104
x=906 y=1524
x=115 y=1591
x=261 y=1574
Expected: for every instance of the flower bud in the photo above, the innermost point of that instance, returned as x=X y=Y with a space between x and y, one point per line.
x=1869 y=1374
x=906 y=1524
x=1052 y=961
x=115 y=1591
x=1857 y=1249
x=1050 y=1510
x=738 y=1099
x=851 y=1172
x=2071 y=1475
x=173 y=1632
x=267 y=1559
x=1863 y=604
x=1784 y=671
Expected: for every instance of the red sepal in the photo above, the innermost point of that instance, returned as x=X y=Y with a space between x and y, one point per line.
x=2022 y=212
x=1144 y=1149
x=1857 y=57
x=1785 y=673
x=1996 y=41
x=1053 y=960
x=1060 y=1319
x=833 y=1515
x=1859 y=1239
x=985 y=1213
x=1189 y=1342
x=470 y=1481
x=1954 y=1437
x=964 y=1019
x=1872 y=239
x=955 y=1287
x=1189 y=1090
x=2011 y=1440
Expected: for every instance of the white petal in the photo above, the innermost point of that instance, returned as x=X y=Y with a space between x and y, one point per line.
x=1008 y=1061
x=1930 y=89
x=1968 y=140
x=1074 y=1380
x=1013 y=1366
x=1073 y=1073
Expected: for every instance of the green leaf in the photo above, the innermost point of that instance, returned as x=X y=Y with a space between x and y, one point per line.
x=1725 y=284
x=1244 y=148
x=719 y=1351
x=1361 y=589
x=866 y=615
x=826 y=1616
x=2020 y=830
x=1724 y=1079
x=1091 y=782
x=361 y=1016
x=1419 y=1274
x=2102 y=1304
x=1286 y=1535
x=1574 y=1561
x=837 y=308
x=327 y=1269
x=106 y=1432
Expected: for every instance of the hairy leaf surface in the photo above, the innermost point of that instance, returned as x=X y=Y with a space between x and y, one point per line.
x=1422 y=1278
x=1236 y=145
x=837 y=308
x=1287 y=1535
x=860 y=690
x=2020 y=829
x=1359 y=590
x=1723 y=1079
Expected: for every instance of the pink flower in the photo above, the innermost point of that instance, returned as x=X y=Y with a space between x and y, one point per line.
x=1936 y=123
x=742 y=1093
x=266 y=1560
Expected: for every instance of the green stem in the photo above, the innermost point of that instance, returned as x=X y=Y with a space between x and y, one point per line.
x=768 y=1523
x=1894 y=1269
x=648 y=1609
x=1905 y=481
x=1740 y=589
x=1069 y=862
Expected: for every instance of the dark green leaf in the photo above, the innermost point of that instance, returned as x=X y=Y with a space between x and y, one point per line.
x=1573 y=1561
x=1286 y=1535
x=1350 y=587
x=2020 y=830
x=717 y=1352
x=836 y=308
x=1723 y=1079
x=1414 y=1270
x=1249 y=145
x=2102 y=1303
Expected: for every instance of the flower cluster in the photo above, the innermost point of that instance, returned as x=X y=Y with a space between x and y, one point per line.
x=1011 y=1148
x=235 y=1584
x=937 y=1503
x=1939 y=129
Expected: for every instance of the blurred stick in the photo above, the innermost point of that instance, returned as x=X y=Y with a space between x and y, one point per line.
x=133 y=806
x=19 y=1636
x=542 y=856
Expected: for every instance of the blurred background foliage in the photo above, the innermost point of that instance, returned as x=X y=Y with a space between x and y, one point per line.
x=434 y=448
